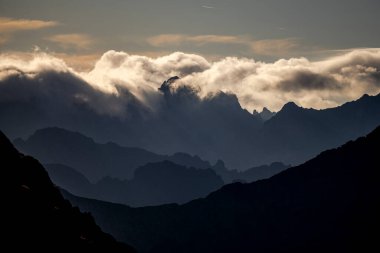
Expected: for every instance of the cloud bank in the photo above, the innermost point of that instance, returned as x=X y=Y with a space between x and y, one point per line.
x=320 y=84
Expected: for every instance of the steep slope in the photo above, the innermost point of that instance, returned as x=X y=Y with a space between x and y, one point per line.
x=328 y=204
x=70 y=179
x=37 y=217
x=94 y=160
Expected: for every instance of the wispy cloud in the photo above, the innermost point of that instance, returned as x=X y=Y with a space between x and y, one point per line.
x=208 y=7
x=219 y=39
x=163 y=40
x=72 y=40
x=278 y=47
x=269 y=47
x=9 y=25
x=167 y=40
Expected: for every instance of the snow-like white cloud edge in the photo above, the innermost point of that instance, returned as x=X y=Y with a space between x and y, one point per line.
x=317 y=84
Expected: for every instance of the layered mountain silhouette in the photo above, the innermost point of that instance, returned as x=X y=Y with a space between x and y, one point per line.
x=295 y=133
x=152 y=184
x=36 y=217
x=214 y=127
x=95 y=160
x=70 y=179
x=328 y=204
x=249 y=175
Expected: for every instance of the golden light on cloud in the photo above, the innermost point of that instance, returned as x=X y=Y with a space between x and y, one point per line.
x=176 y=39
x=269 y=47
x=166 y=39
x=72 y=40
x=222 y=39
x=280 y=47
x=84 y=62
x=9 y=25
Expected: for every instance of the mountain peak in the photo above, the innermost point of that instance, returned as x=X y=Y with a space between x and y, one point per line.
x=290 y=106
x=165 y=86
x=265 y=110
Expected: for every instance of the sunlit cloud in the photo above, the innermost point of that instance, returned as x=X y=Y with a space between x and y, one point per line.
x=278 y=47
x=9 y=25
x=167 y=40
x=269 y=47
x=72 y=40
x=317 y=84
x=163 y=40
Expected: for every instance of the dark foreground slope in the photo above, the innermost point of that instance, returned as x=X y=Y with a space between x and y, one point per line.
x=328 y=204
x=35 y=215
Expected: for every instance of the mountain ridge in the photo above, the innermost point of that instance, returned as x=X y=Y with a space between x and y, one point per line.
x=328 y=204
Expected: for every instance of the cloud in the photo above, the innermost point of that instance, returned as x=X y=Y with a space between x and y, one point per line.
x=319 y=84
x=120 y=100
x=221 y=39
x=307 y=80
x=9 y=25
x=163 y=40
x=279 y=47
x=72 y=40
x=167 y=40
x=208 y=7
x=269 y=47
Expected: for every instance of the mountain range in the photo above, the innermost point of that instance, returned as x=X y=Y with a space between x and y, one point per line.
x=156 y=179
x=213 y=127
x=327 y=204
x=95 y=160
x=36 y=217
x=152 y=184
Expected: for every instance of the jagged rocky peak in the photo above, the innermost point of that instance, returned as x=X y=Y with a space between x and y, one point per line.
x=266 y=110
x=264 y=115
x=165 y=86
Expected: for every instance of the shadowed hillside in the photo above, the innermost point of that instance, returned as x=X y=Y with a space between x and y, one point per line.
x=328 y=204
x=37 y=217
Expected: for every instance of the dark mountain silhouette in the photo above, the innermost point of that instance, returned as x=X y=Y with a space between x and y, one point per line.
x=94 y=160
x=249 y=175
x=161 y=183
x=70 y=179
x=328 y=204
x=152 y=184
x=214 y=127
x=264 y=115
x=35 y=215
x=295 y=134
